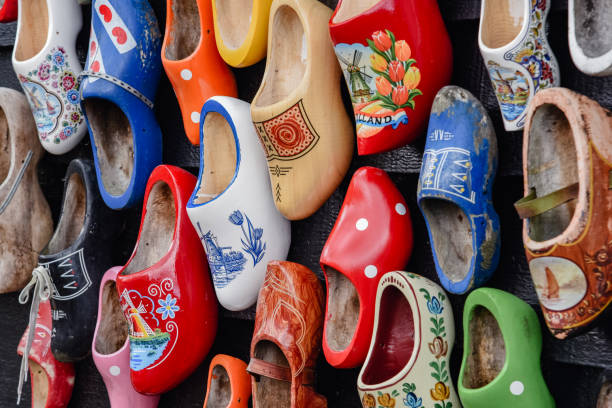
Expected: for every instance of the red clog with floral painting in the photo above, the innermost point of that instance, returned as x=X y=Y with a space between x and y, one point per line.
x=395 y=56
x=165 y=289
x=8 y=11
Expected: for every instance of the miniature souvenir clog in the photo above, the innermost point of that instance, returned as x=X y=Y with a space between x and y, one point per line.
x=409 y=354
x=455 y=190
x=48 y=68
x=165 y=290
x=229 y=383
x=110 y=348
x=298 y=110
x=502 y=344
x=590 y=42
x=8 y=11
x=567 y=162
x=51 y=380
x=513 y=44
x=241 y=30
x=372 y=235
x=25 y=218
x=395 y=55
x=192 y=62
x=287 y=338
x=119 y=84
x=232 y=208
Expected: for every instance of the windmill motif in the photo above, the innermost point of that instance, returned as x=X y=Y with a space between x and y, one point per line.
x=360 y=91
x=505 y=83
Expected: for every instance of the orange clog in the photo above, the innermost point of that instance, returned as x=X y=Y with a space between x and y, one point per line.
x=229 y=383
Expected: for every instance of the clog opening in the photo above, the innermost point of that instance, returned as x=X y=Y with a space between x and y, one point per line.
x=185 y=31
x=72 y=219
x=270 y=392
x=234 y=21
x=40 y=385
x=287 y=57
x=113 y=329
x=33 y=30
x=220 y=157
x=451 y=233
x=552 y=165
x=394 y=343
x=352 y=8
x=157 y=229
x=112 y=135
x=593 y=25
x=487 y=349
x=342 y=309
x=5 y=147
x=604 y=400
x=502 y=21
x=220 y=391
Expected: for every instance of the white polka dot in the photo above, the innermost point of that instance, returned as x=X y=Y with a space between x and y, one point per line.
x=361 y=224
x=195 y=117
x=517 y=388
x=400 y=209
x=186 y=74
x=114 y=370
x=370 y=271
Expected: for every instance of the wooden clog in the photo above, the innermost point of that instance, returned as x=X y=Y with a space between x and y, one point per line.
x=229 y=383
x=567 y=162
x=455 y=190
x=287 y=338
x=513 y=44
x=409 y=354
x=192 y=62
x=372 y=235
x=590 y=42
x=8 y=11
x=301 y=122
x=25 y=218
x=395 y=56
x=165 y=290
x=502 y=344
x=48 y=68
x=604 y=399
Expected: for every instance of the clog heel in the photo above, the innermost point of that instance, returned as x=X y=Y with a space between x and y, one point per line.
x=298 y=110
x=8 y=11
x=590 y=42
x=192 y=62
x=501 y=353
x=46 y=63
x=229 y=383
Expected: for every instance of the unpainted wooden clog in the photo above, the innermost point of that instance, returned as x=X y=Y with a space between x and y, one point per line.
x=229 y=383
x=8 y=11
x=298 y=110
x=590 y=42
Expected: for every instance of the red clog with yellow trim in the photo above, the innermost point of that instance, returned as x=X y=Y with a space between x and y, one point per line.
x=229 y=383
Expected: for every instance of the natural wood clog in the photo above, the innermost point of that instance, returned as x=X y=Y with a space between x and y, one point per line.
x=604 y=399
x=192 y=62
x=298 y=111
x=25 y=218
x=590 y=42
x=229 y=383
x=567 y=163
x=8 y=11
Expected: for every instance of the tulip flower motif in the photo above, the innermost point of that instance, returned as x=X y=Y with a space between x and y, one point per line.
x=440 y=391
x=412 y=77
x=438 y=347
x=382 y=40
x=400 y=95
x=378 y=62
x=386 y=400
x=411 y=400
x=396 y=71
x=383 y=86
x=252 y=243
x=402 y=50
x=368 y=401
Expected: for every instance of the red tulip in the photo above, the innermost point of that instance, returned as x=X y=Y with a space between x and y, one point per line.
x=400 y=95
x=396 y=71
x=383 y=86
x=382 y=41
x=402 y=50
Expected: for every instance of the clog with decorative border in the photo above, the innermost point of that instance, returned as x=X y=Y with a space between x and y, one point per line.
x=192 y=63
x=110 y=348
x=414 y=334
x=240 y=228
x=229 y=383
x=165 y=288
x=502 y=344
x=46 y=63
x=372 y=235
x=590 y=42
x=120 y=81
x=8 y=11
x=455 y=190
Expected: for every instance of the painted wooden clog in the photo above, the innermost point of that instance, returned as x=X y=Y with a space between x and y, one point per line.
x=513 y=44
x=111 y=351
x=287 y=338
x=232 y=208
x=192 y=62
x=590 y=42
x=48 y=68
x=165 y=290
x=372 y=235
x=8 y=11
x=567 y=160
x=409 y=355
x=229 y=383
x=298 y=110
x=502 y=344
x=25 y=218
x=119 y=82
x=455 y=190
x=395 y=55
x=241 y=30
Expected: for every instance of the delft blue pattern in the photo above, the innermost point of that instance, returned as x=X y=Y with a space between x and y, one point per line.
x=252 y=243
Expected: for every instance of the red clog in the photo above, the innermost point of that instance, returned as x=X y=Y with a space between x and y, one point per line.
x=8 y=11
x=395 y=56
x=372 y=236
x=165 y=288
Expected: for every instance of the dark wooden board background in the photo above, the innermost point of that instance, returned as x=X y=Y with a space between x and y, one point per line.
x=572 y=368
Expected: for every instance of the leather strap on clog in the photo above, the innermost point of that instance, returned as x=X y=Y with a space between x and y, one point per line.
x=118 y=82
x=259 y=367
x=533 y=205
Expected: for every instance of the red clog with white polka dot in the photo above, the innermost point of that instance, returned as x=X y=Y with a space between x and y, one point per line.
x=372 y=236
